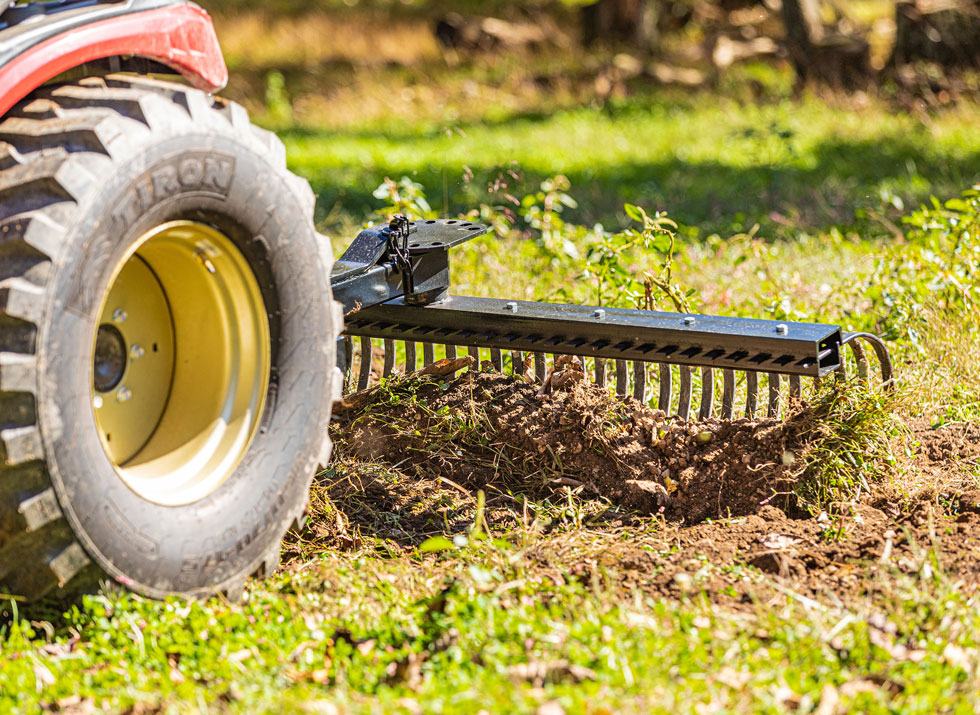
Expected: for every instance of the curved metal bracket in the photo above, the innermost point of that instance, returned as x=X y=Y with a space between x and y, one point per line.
x=881 y=351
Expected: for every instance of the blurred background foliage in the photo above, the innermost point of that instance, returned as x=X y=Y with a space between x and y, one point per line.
x=793 y=115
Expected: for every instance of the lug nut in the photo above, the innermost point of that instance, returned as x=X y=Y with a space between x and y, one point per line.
x=124 y=394
x=136 y=352
x=119 y=315
x=97 y=401
x=205 y=261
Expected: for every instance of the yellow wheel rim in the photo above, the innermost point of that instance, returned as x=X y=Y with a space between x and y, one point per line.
x=181 y=363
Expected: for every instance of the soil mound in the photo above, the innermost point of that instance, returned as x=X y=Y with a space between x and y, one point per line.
x=485 y=428
x=675 y=507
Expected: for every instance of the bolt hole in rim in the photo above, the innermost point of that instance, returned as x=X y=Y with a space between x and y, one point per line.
x=175 y=420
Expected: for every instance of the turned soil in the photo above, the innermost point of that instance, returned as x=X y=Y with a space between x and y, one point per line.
x=667 y=506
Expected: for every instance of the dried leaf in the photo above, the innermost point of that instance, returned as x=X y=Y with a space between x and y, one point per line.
x=299 y=650
x=735 y=679
x=176 y=677
x=538 y=672
x=74 y=705
x=777 y=542
x=320 y=707
x=42 y=677
x=957 y=657
x=552 y=707
x=527 y=373
x=353 y=403
x=240 y=655
x=855 y=687
x=407 y=671
x=829 y=700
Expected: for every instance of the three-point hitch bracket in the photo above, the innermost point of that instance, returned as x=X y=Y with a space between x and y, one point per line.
x=402 y=259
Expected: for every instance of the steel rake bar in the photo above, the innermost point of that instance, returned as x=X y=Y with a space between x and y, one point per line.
x=676 y=343
x=608 y=333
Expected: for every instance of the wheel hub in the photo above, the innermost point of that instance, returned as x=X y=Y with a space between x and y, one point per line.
x=110 y=357
x=181 y=362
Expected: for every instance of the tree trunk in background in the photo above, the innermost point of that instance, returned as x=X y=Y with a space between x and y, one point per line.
x=820 y=54
x=632 y=22
x=803 y=27
x=943 y=31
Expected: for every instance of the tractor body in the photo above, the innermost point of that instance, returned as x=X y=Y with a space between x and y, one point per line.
x=42 y=40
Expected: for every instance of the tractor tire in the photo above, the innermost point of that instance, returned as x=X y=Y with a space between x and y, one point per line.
x=167 y=342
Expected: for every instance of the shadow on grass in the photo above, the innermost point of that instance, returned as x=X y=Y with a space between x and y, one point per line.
x=839 y=178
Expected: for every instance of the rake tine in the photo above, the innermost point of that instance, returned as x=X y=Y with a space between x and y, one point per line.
x=707 y=392
x=540 y=367
x=516 y=362
x=451 y=355
x=600 y=372
x=365 y=373
x=728 y=395
x=475 y=354
x=428 y=354
x=795 y=388
x=774 y=378
x=622 y=378
x=684 y=401
x=640 y=380
x=389 y=357
x=411 y=359
x=752 y=393
x=665 y=388
x=861 y=359
x=348 y=360
x=497 y=359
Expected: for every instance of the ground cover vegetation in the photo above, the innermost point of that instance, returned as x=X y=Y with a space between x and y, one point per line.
x=473 y=546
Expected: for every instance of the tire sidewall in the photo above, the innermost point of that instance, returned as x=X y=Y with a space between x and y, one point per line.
x=229 y=184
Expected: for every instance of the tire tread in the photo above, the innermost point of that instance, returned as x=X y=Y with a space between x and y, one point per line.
x=50 y=145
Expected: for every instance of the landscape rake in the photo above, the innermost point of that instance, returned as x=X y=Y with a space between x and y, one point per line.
x=393 y=282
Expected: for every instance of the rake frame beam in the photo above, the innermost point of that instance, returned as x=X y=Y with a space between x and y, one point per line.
x=771 y=346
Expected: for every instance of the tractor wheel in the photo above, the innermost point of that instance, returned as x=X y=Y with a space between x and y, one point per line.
x=167 y=342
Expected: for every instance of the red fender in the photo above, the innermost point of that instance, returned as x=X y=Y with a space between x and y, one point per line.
x=181 y=37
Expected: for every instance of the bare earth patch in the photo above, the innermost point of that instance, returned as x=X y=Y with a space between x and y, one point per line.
x=668 y=507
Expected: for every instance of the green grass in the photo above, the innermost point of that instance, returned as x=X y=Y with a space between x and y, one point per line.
x=484 y=626
x=850 y=431
x=713 y=163
x=475 y=629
